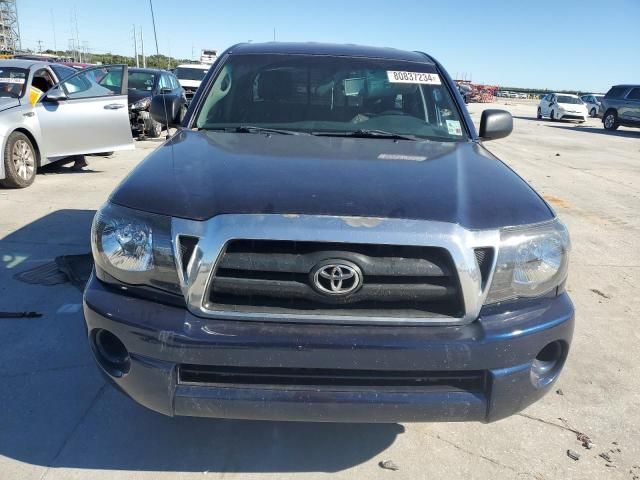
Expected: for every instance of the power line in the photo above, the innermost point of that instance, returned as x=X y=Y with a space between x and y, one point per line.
x=153 y=20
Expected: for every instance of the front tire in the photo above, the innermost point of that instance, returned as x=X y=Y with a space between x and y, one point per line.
x=592 y=112
x=552 y=116
x=610 y=120
x=539 y=116
x=182 y=114
x=155 y=129
x=20 y=162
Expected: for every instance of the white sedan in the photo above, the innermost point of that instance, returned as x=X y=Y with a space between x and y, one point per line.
x=562 y=106
x=592 y=101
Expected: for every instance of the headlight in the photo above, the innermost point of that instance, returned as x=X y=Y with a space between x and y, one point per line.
x=532 y=261
x=134 y=247
x=141 y=104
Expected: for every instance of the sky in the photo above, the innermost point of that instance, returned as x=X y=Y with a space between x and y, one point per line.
x=582 y=45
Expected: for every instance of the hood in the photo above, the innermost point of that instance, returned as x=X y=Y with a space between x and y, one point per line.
x=575 y=107
x=135 y=95
x=8 y=102
x=198 y=175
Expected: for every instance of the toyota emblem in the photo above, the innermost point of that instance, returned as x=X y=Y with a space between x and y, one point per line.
x=336 y=277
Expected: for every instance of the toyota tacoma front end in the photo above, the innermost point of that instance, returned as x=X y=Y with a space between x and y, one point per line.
x=327 y=239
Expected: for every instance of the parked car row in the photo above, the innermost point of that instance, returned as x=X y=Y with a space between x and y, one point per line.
x=49 y=112
x=507 y=94
x=619 y=107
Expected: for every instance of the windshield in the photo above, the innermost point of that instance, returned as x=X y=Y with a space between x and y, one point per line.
x=184 y=73
x=323 y=94
x=141 y=81
x=13 y=81
x=568 y=99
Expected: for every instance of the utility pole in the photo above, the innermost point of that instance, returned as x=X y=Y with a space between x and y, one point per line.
x=135 y=46
x=86 y=50
x=153 y=20
x=39 y=46
x=144 y=59
x=75 y=17
x=274 y=34
x=53 y=25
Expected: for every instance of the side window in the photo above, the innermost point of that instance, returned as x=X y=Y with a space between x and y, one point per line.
x=174 y=82
x=634 y=94
x=95 y=82
x=42 y=80
x=616 y=92
x=61 y=71
x=164 y=82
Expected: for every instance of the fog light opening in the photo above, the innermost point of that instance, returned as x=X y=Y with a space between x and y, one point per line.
x=546 y=367
x=111 y=353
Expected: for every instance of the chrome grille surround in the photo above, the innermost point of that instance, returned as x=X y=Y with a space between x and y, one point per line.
x=195 y=278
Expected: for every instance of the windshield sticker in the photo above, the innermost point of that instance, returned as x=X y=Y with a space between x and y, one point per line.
x=453 y=126
x=413 y=77
x=18 y=81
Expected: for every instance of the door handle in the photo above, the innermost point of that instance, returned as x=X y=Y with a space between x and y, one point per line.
x=113 y=106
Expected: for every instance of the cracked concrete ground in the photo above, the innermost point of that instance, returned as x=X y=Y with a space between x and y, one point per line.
x=60 y=420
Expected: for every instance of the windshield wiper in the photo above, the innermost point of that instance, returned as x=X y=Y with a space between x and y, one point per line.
x=254 y=129
x=367 y=133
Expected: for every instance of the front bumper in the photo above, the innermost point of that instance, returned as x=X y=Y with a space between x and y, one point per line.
x=572 y=116
x=139 y=120
x=501 y=345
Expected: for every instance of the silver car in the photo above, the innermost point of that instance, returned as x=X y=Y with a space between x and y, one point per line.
x=49 y=112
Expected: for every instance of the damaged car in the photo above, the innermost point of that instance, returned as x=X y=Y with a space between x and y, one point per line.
x=327 y=238
x=144 y=84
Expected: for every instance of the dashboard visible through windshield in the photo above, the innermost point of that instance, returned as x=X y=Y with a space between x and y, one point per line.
x=327 y=95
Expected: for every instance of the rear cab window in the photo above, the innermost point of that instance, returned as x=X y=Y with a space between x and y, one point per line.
x=321 y=94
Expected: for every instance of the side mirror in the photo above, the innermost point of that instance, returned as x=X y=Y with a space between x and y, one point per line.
x=56 y=94
x=164 y=109
x=495 y=124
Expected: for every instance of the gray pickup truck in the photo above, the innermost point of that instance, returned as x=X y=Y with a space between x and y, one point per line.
x=326 y=238
x=621 y=107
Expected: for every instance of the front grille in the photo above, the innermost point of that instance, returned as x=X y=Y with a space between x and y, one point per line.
x=205 y=375
x=266 y=276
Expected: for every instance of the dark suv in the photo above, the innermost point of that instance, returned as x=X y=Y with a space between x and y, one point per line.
x=621 y=106
x=328 y=239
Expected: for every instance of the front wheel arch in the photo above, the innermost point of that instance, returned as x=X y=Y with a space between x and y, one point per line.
x=31 y=138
